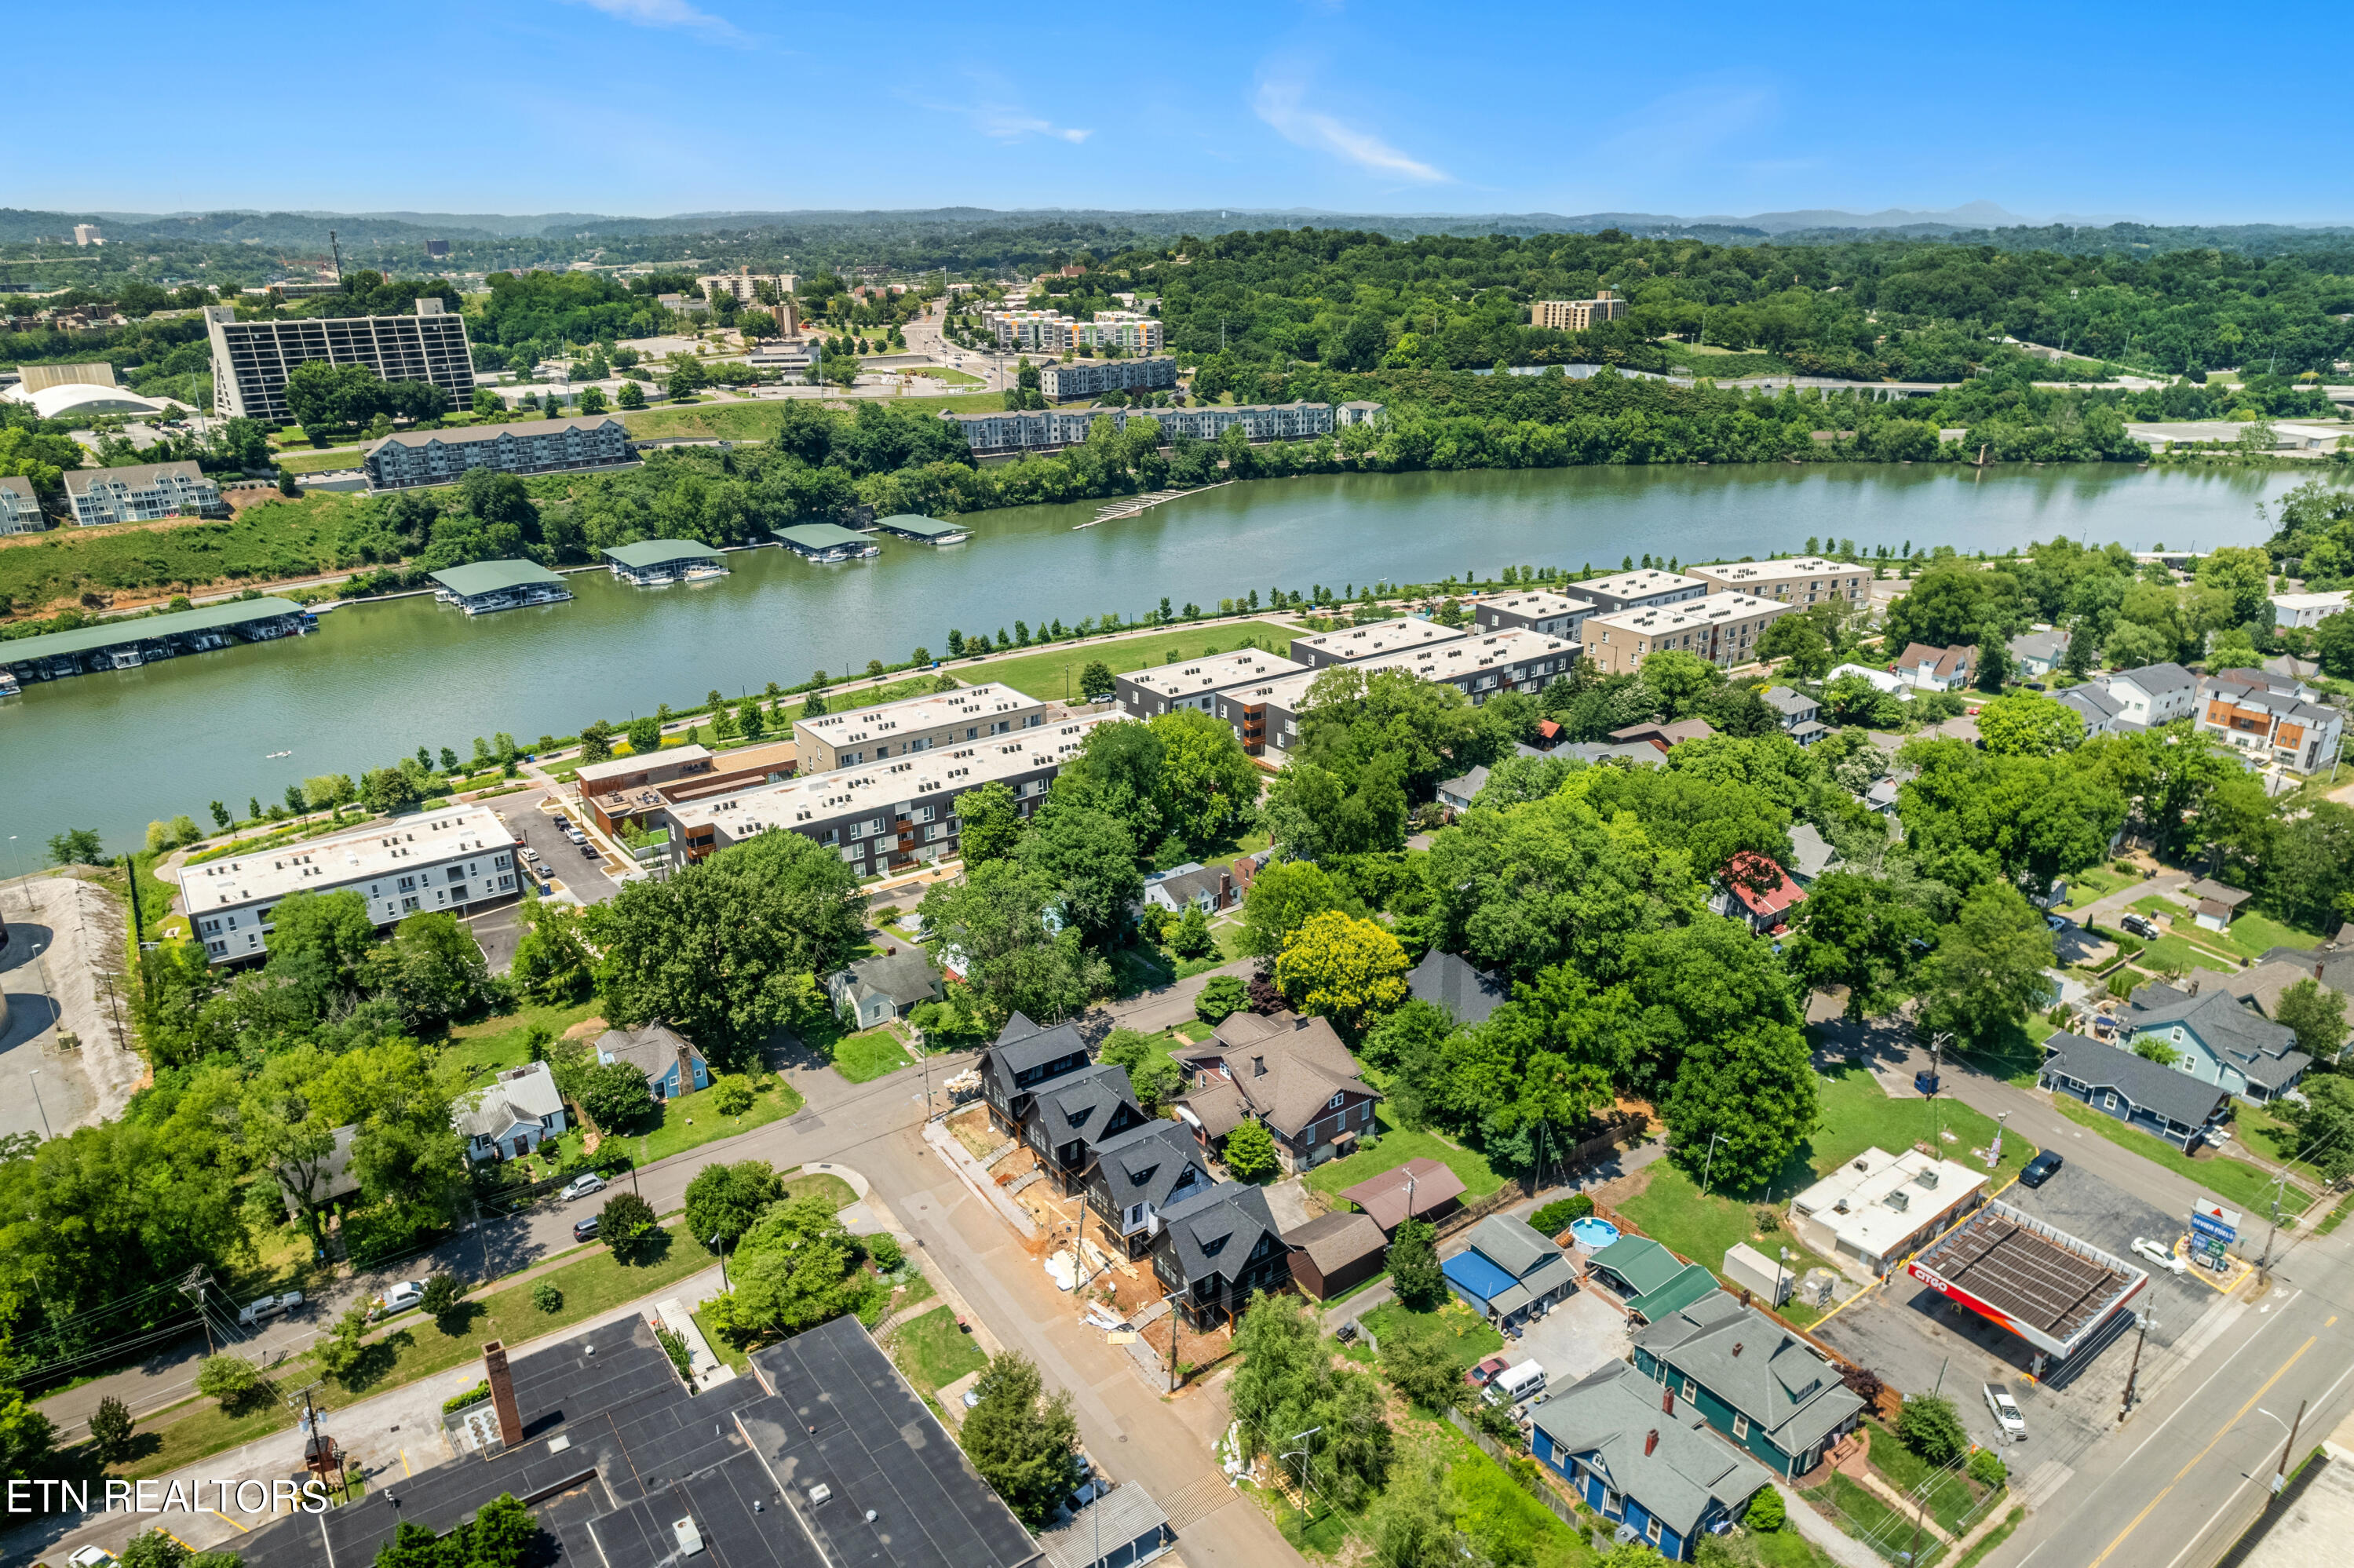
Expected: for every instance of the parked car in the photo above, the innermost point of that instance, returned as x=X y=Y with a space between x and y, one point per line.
x=529 y=852
x=2140 y=926
x=585 y=1230
x=581 y=1186
x=2162 y=1254
x=2005 y=1411
x=2055 y=922
x=2040 y=1169
x=401 y=1297
x=576 y=835
x=90 y=1557
x=262 y=1308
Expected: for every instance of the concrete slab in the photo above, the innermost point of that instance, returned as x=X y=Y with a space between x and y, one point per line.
x=1580 y=1336
x=61 y=974
x=1288 y=1202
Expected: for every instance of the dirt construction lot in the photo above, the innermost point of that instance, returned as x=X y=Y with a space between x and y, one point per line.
x=60 y=971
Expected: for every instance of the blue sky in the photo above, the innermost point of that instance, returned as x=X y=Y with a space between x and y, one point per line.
x=662 y=106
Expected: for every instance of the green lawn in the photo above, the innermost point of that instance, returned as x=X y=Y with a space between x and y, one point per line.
x=1054 y=672
x=934 y=1351
x=869 y=1053
x=2178 y=952
x=721 y=1348
x=2267 y=1135
x=2095 y=883
x=1393 y=1148
x=1951 y=1497
x=695 y=1120
x=489 y=1044
x=319 y=462
x=2253 y=934
x=1873 y=1521
x=277 y=538
x=1705 y=1226
x=821 y=1183
x=2013 y=1053
x=755 y=421
x=2241 y=1184
x=1994 y=1538
x=1857 y=1115
x=1466 y=1336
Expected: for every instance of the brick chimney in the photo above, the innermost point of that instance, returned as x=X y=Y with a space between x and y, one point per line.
x=1667 y=1402
x=1650 y=1441
x=502 y=1399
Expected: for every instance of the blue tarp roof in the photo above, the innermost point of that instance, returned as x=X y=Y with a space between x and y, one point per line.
x=1475 y=1273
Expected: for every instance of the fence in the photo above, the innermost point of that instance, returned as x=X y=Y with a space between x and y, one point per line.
x=1517 y=1466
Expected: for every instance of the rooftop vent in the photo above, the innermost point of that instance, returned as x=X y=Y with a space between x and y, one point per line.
x=818 y=1493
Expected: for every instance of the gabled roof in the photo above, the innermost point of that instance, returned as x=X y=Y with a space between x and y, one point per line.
x=1079 y=1105
x=1763 y=1371
x=1813 y=856
x=1336 y=1240
x=523 y=1095
x=659 y=552
x=2092 y=703
x=1468 y=992
x=1536 y=1267
x=1217 y=1106
x=1022 y=1045
x=1145 y=1164
x=470 y=435
x=1212 y=1234
x=131 y=476
x=650 y=1047
x=1942 y=662
x=1288 y=1068
x=907 y=977
x=1615 y=1415
x=2266 y=1052
x=1417 y=1187
x=1465 y=786
x=2048 y=644
x=1790 y=703
x=2147 y=1085
x=1641 y=1262
x=2208 y=887
x=1776 y=898
x=2158 y=678
x=492 y=577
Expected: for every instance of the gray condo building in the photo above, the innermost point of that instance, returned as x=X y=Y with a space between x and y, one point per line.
x=252 y=359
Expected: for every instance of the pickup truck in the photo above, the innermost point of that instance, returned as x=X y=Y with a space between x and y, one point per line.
x=262 y=1308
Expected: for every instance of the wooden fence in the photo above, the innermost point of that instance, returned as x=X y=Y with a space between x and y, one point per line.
x=1517 y=1465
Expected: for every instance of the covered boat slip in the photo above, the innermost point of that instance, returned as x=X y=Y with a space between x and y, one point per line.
x=487 y=586
x=128 y=644
x=655 y=563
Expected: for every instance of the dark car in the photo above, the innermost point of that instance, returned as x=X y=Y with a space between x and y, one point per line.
x=2040 y=1169
x=585 y=1230
x=2141 y=926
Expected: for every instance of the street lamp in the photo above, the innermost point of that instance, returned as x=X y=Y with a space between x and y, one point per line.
x=723 y=1261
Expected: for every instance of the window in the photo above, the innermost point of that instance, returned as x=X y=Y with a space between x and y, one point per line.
x=1741 y=1426
x=857 y=832
x=409 y=884
x=409 y=906
x=1333 y=1104
x=849 y=855
x=1652 y=1531
x=1691 y=1389
x=212 y=928
x=499 y=861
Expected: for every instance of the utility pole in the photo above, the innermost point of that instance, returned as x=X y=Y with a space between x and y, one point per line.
x=2280 y=1477
x=2133 y=1371
x=339 y=257
x=193 y=1287
x=1708 y=1166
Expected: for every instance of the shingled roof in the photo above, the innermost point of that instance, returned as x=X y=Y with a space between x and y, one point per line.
x=1763 y=1371
x=1214 y=1232
x=1286 y=1068
x=1663 y=1460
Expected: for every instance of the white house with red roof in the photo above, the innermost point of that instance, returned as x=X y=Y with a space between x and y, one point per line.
x=1754 y=889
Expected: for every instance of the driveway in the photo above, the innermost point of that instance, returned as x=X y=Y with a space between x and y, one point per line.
x=578 y=871
x=1580 y=1337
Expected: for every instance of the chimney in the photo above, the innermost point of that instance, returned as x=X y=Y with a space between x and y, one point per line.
x=1667 y=1402
x=685 y=1067
x=1736 y=1347
x=502 y=1399
x=1650 y=1441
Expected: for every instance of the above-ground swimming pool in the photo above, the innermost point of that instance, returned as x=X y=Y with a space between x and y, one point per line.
x=1592 y=1235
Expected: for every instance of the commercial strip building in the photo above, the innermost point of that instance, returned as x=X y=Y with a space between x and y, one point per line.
x=885 y=816
x=1061 y=383
x=1478 y=667
x=252 y=359
x=142 y=492
x=443 y=860
x=1577 y=315
x=486 y=587
x=1798 y=582
x=1553 y=614
x=1045 y=430
x=1150 y=692
x=408 y=457
x=1639 y=588
x=1878 y=1206
x=20 y=508
x=653 y=562
x=134 y=641
x=1723 y=628
x=826 y=542
x=860 y=736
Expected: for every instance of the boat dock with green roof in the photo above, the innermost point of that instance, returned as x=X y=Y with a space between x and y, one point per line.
x=657 y=563
x=827 y=542
x=487 y=586
x=134 y=641
x=924 y=530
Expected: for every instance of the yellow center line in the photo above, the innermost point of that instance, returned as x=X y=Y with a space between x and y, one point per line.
x=2197 y=1458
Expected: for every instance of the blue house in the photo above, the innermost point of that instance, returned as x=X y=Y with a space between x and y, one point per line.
x=1636 y=1454
x=1509 y=1273
x=1758 y=1383
x=2217 y=1039
x=2141 y=1093
x=672 y=1066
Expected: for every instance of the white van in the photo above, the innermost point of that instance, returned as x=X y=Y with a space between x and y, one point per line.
x=1513 y=1385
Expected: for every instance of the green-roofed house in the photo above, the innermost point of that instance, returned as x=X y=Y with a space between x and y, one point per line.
x=657 y=563
x=487 y=586
x=827 y=542
x=924 y=530
x=1757 y=1381
x=128 y=644
x=1652 y=1280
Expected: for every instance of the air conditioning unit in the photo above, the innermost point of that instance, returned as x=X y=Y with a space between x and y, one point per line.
x=1899 y=1200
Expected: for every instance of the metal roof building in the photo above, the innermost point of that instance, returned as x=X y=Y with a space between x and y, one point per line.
x=142 y=639
x=485 y=586
x=924 y=530
x=651 y=562
x=826 y=542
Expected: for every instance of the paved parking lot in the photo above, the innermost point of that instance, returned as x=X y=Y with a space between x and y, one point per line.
x=1919 y=1339
x=1581 y=1336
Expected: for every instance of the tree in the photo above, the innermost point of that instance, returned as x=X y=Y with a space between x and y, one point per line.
x=221 y=819
x=797 y=1267
x=1678 y=682
x=1221 y=998
x=1929 y=1425
x=1023 y=1441
x=433 y=969
x=110 y=1430
x=1192 y=937
x=338 y=1352
x=1417 y=1362
x=1088 y=859
x=1208 y=786
x=1096 y=684
x=1858 y=932
x=328 y=792
x=501 y=1534
x=1287 y=1382
x=1250 y=1152
x=1152 y=1078
x=229 y=1379
x=2318 y=1014
x=645 y=736
x=630 y=397
x=1343 y=968
x=1993 y=663
x=1281 y=898
x=723 y=1200
x=442 y=1294
x=1750 y=1094
x=551 y=962
x=78 y=846
x=996 y=919
x=1987 y=970
x=2325 y=1124
x=626 y=1224
x=2153 y=1048
x=615 y=1096
x=161 y=1549
x=2030 y=724
x=1767 y=1512
x=1413 y=1265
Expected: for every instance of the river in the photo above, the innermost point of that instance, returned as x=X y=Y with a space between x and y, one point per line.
x=113 y=751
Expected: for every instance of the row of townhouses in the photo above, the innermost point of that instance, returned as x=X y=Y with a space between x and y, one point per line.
x=2268 y=720
x=1039 y=430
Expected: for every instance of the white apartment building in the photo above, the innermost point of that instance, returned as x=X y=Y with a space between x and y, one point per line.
x=1645 y=585
x=20 y=509
x=140 y=494
x=2308 y=609
x=1554 y=614
x=744 y=287
x=1800 y=582
x=1148 y=694
x=252 y=359
x=915 y=724
x=434 y=860
x=1478 y=666
x=1355 y=643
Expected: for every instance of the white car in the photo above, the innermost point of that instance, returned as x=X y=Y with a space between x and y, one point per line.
x=2006 y=1412
x=576 y=835
x=90 y=1557
x=581 y=1186
x=263 y=1308
x=530 y=853
x=401 y=1297
x=2162 y=1254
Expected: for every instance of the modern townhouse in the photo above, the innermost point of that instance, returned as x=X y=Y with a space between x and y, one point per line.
x=1799 y=582
x=1640 y=588
x=1217 y=1249
x=1754 y=1379
x=1478 y=667
x=407 y=459
x=1021 y=1061
x=20 y=509
x=446 y=860
x=1150 y=692
x=142 y=492
x=1070 y=1118
x=882 y=817
x=2151 y=695
x=1553 y=614
x=913 y=724
x=1141 y=1174
x=1722 y=627
x=2271 y=719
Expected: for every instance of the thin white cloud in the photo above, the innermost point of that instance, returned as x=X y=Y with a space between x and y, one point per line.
x=1684 y=126
x=994 y=108
x=666 y=14
x=1279 y=104
x=1006 y=123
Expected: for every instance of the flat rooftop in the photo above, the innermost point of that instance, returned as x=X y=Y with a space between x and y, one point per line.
x=1214 y=674
x=946 y=770
x=1540 y=605
x=597 y=773
x=967 y=705
x=492 y=577
x=1686 y=615
x=138 y=629
x=2041 y=1283
x=1638 y=584
x=1779 y=571
x=1865 y=1185
x=402 y=844
x=1370 y=641
x=1449 y=661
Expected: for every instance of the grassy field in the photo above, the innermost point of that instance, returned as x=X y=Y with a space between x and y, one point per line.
x=1466 y=1336
x=1857 y=1115
x=1705 y=1226
x=2235 y=1180
x=2267 y=1135
x=1054 y=672
x=1951 y=1497
x=716 y=421
x=319 y=462
x=934 y=1351
x=277 y=538
x=2095 y=883
x=869 y=1053
x=1867 y=1518
x=489 y=1044
x=689 y=1122
x=1393 y=1148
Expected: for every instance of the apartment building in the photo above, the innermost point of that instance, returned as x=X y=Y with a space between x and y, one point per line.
x=1640 y=588
x=744 y=288
x=410 y=458
x=2308 y=609
x=1809 y=579
x=626 y=788
x=1044 y=429
x=1050 y=331
x=1033 y=332
x=436 y=861
x=1576 y=315
x=2271 y=719
x=1553 y=614
x=1478 y=666
x=20 y=509
x=1094 y=377
x=140 y=494
x=1723 y=628
x=1128 y=331
x=917 y=725
x=1355 y=643
x=885 y=816
x=1148 y=694
x=252 y=359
